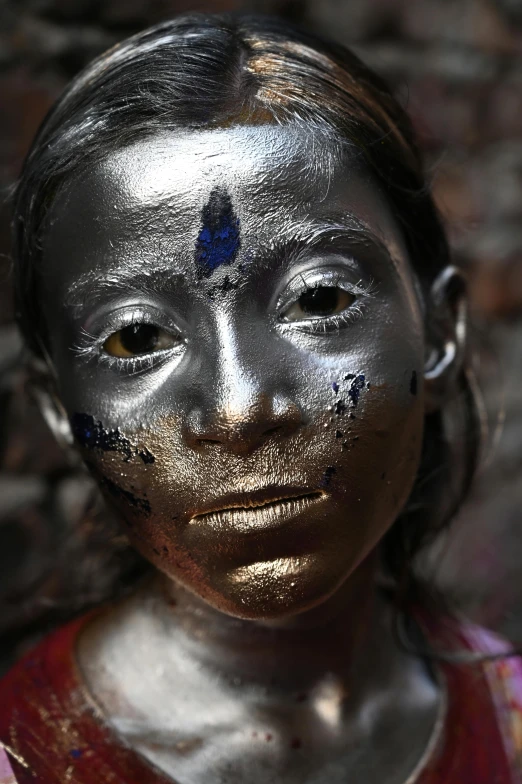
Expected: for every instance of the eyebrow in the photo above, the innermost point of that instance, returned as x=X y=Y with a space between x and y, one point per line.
x=307 y=236
x=92 y=286
x=302 y=236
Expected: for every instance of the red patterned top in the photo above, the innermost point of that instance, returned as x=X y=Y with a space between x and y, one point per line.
x=51 y=732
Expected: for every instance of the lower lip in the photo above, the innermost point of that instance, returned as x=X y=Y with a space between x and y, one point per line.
x=260 y=518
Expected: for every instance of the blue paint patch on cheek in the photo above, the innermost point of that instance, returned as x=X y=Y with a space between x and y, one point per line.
x=357 y=385
x=91 y=434
x=328 y=474
x=218 y=241
x=340 y=408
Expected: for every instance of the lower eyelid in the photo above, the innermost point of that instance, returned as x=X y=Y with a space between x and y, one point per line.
x=329 y=323
x=139 y=362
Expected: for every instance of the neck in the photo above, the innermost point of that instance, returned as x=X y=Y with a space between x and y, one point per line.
x=339 y=637
x=168 y=670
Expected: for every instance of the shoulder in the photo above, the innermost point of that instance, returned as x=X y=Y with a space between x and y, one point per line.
x=485 y=655
x=502 y=672
x=50 y=727
x=38 y=697
x=483 y=682
x=43 y=676
x=45 y=672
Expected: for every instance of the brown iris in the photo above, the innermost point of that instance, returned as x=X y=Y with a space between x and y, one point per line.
x=318 y=302
x=138 y=339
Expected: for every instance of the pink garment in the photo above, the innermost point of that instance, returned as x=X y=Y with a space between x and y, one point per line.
x=6 y=772
x=504 y=677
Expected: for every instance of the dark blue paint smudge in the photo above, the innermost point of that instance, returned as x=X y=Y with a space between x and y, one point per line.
x=339 y=407
x=145 y=455
x=91 y=434
x=218 y=241
x=328 y=474
x=413 y=383
x=335 y=387
x=222 y=288
x=355 y=389
x=118 y=493
x=76 y=753
x=228 y=285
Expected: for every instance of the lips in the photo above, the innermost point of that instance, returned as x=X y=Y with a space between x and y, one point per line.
x=263 y=510
x=264 y=497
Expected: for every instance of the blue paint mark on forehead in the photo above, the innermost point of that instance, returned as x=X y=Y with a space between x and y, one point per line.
x=218 y=240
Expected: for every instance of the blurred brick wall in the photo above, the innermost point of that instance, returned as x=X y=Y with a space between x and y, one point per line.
x=457 y=66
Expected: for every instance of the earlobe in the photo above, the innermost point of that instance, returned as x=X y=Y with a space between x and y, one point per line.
x=445 y=337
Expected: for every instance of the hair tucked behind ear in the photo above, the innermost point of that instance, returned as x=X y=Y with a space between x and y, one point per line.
x=204 y=71
x=446 y=471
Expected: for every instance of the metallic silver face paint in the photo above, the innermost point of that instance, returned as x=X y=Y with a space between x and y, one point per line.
x=244 y=399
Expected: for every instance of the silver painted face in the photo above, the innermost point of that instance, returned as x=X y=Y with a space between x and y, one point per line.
x=238 y=353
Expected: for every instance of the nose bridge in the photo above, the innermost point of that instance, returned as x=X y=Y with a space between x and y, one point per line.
x=243 y=402
x=241 y=380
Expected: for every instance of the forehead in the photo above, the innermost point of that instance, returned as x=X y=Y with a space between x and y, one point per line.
x=246 y=159
x=151 y=194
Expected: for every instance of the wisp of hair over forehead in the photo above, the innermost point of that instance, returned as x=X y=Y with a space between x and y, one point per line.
x=213 y=71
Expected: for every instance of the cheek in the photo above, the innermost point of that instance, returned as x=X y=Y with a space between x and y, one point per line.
x=124 y=468
x=147 y=496
x=388 y=450
x=368 y=439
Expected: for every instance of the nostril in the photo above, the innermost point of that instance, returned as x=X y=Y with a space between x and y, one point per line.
x=241 y=428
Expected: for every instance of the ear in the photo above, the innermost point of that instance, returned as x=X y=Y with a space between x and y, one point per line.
x=445 y=337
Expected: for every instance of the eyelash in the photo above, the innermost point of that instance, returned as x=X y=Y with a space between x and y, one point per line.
x=322 y=325
x=90 y=347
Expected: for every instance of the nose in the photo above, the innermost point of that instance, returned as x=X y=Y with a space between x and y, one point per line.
x=243 y=428
x=243 y=402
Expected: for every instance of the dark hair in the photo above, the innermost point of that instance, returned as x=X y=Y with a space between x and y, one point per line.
x=201 y=71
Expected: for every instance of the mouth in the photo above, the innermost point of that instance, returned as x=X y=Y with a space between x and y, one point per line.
x=260 y=510
x=264 y=497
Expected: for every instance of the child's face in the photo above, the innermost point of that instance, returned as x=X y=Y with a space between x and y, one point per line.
x=233 y=321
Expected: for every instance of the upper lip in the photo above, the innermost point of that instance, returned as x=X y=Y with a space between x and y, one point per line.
x=256 y=498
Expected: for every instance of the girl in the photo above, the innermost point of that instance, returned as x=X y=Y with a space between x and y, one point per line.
x=228 y=258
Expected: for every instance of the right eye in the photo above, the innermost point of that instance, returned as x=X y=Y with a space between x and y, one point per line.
x=139 y=339
x=319 y=302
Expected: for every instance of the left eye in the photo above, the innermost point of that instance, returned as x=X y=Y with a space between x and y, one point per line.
x=319 y=302
x=138 y=339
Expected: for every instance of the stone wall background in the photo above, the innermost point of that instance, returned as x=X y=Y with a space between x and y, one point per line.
x=457 y=65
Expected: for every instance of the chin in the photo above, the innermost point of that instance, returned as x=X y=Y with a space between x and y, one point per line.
x=270 y=591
